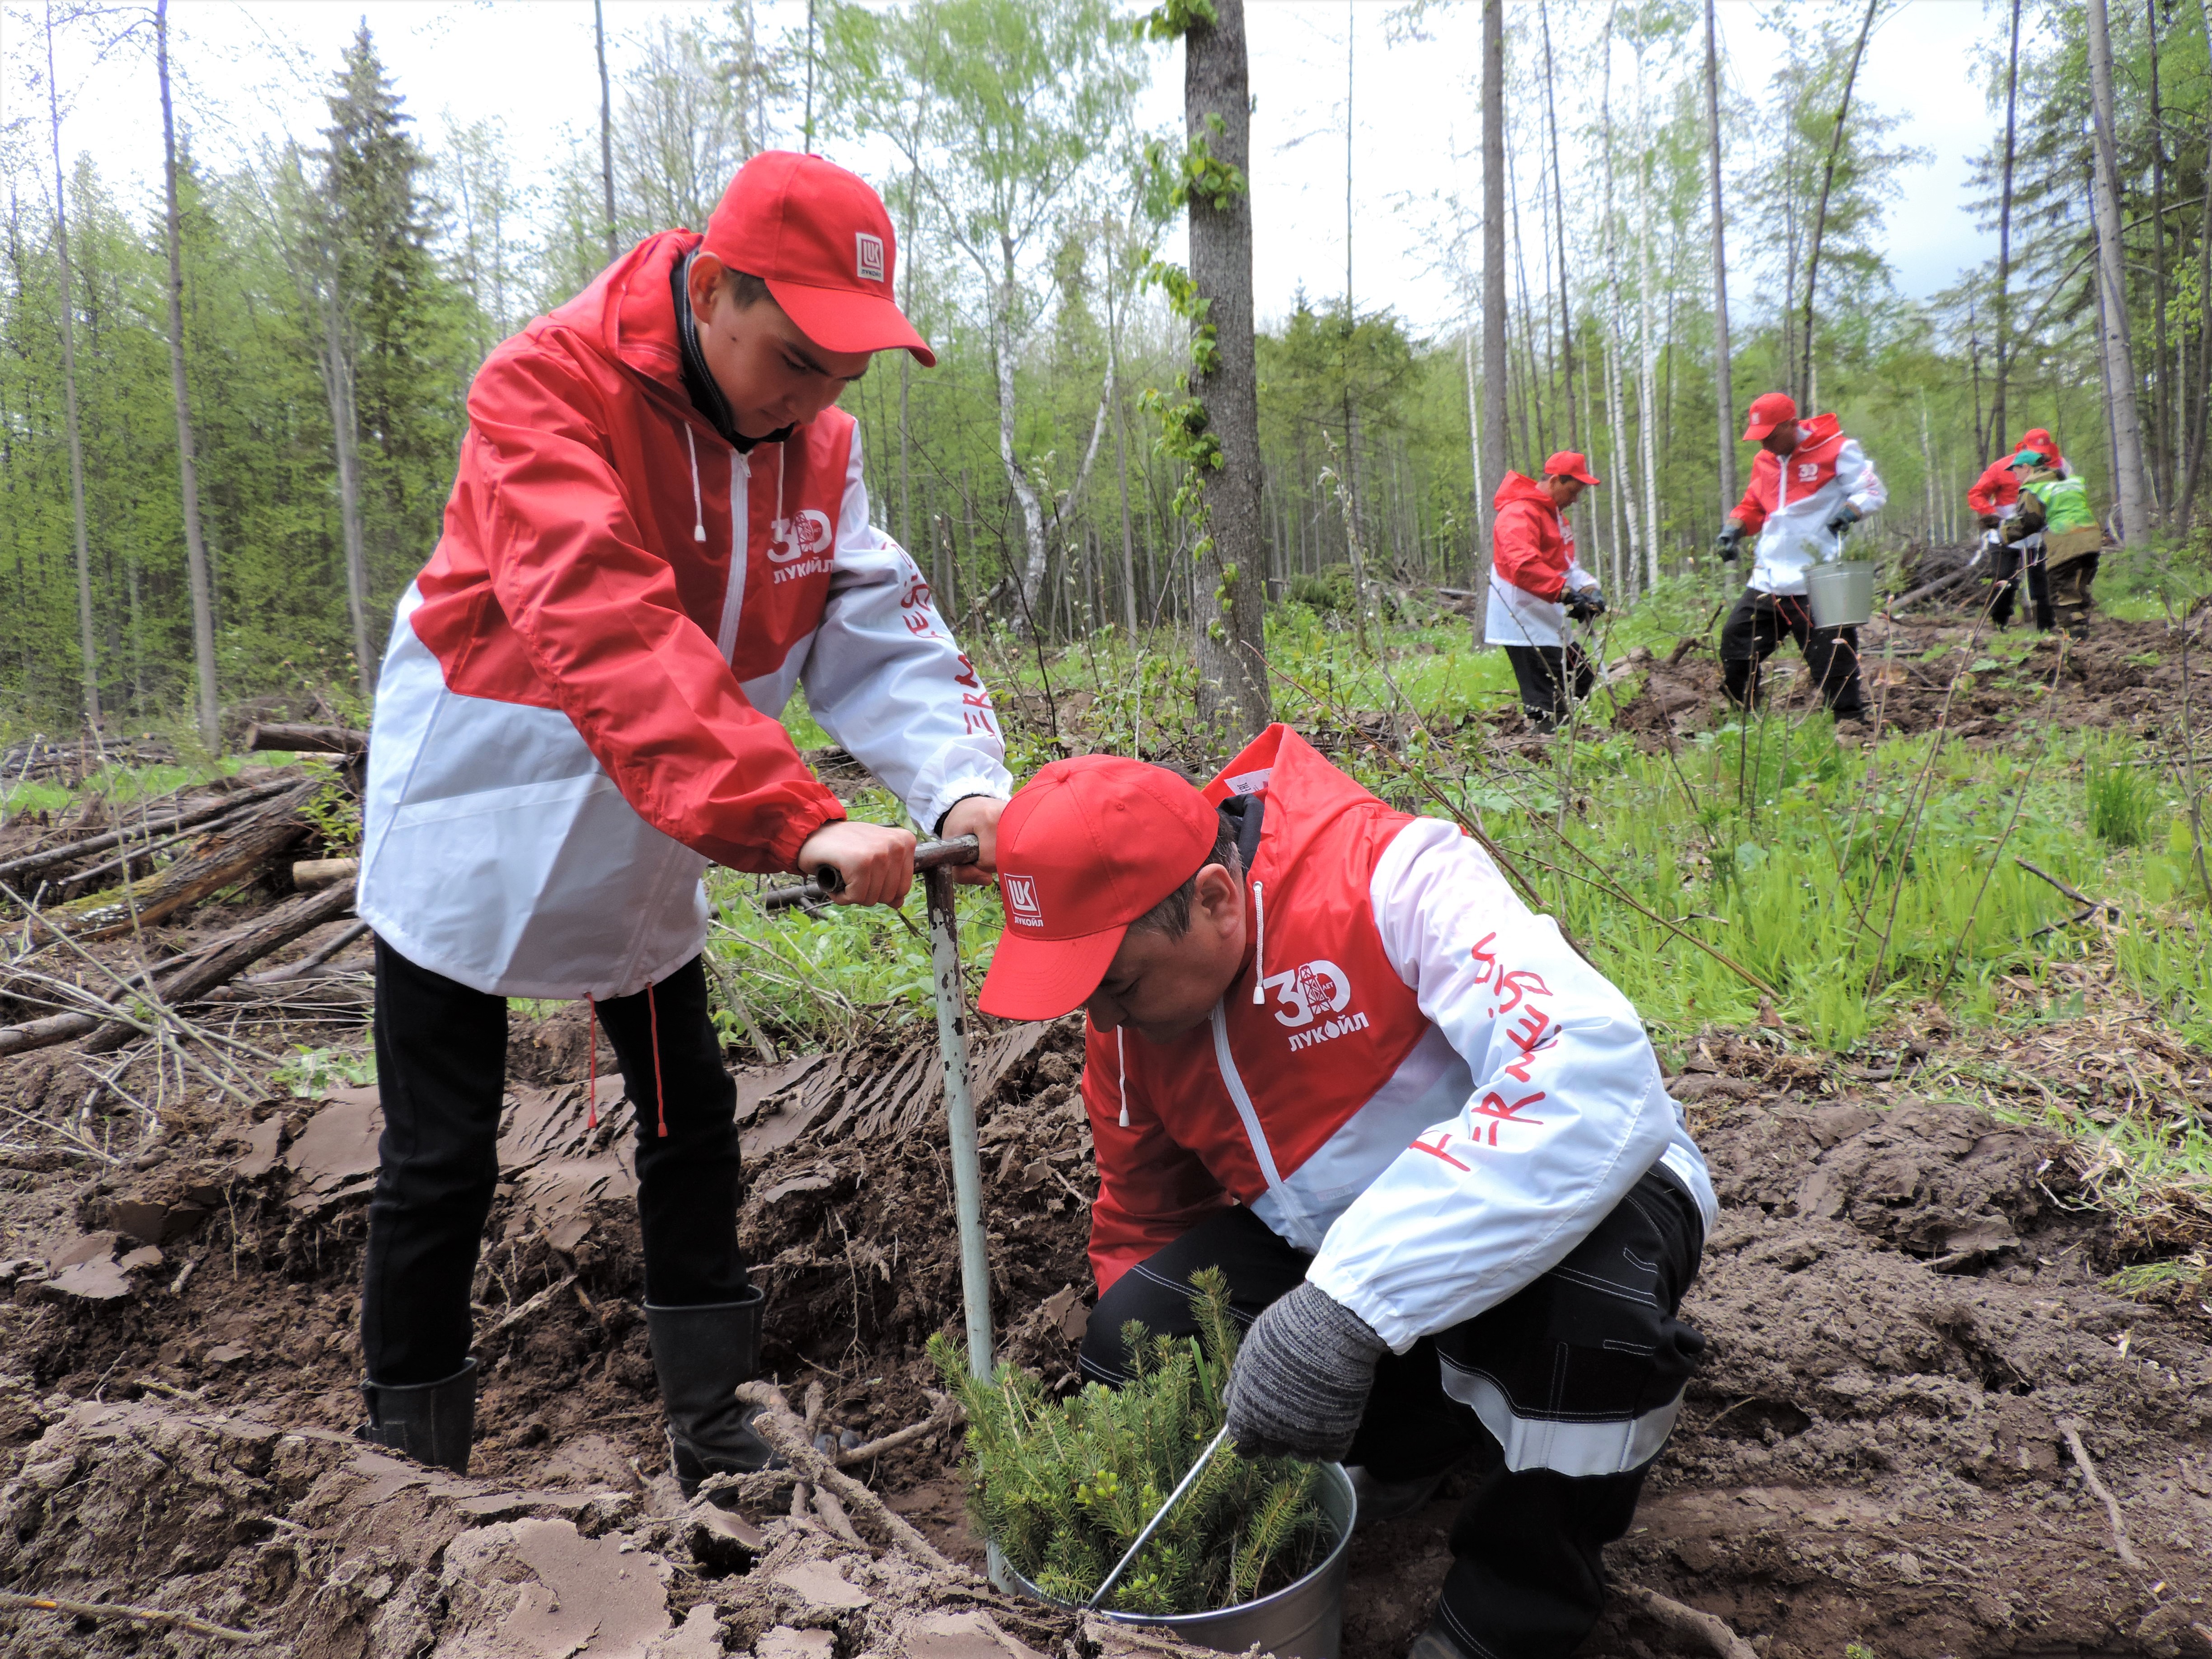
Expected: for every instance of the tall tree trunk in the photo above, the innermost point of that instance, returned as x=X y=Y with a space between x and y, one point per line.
x=906 y=358
x=196 y=562
x=1998 y=424
x=1494 y=366
x=87 y=644
x=1128 y=536
x=1723 y=390
x=337 y=364
x=2161 y=446
x=606 y=124
x=2126 y=418
x=1559 y=228
x=1003 y=297
x=1827 y=183
x=1627 y=533
x=1475 y=496
x=1646 y=389
x=2200 y=404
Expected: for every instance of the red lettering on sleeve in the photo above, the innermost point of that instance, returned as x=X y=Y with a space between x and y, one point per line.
x=1484 y=961
x=1494 y=1107
x=1444 y=1139
x=1520 y=981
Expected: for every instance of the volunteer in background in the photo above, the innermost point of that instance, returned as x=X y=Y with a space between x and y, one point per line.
x=1809 y=483
x=658 y=530
x=1995 y=497
x=1536 y=585
x=2060 y=541
x=1331 y=1053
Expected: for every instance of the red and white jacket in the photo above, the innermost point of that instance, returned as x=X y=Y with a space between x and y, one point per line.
x=1791 y=498
x=579 y=706
x=1997 y=492
x=1532 y=567
x=1412 y=1077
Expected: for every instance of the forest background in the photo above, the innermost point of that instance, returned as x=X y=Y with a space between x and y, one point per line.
x=336 y=289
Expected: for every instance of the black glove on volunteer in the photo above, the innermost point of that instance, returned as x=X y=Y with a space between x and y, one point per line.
x=1302 y=1379
x=1729 y=541
x=1989 y=522
x=1846 y=516
x=1584 y=603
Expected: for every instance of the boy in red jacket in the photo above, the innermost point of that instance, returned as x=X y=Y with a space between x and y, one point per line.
x=1536 y=585
x=658 y=531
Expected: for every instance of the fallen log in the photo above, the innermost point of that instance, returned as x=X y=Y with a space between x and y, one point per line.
x=303 y=739
x=247 y=946
x=28 y=866
x=190 y=977
x=309 y=874
x=221 y=861
x=1928 y=590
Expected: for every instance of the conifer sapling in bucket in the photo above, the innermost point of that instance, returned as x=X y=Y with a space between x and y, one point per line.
x=1064 y=1486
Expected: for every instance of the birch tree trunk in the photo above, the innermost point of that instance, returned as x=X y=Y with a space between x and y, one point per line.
x=2114 y=336
x=606 y=123
x=1492 y=441
x=1002 y=347
x=336 y=362
x=2200 y=407
x=1997 y=440
x=87 y=646
x=196 y=561
x=1646 y=389
x=1560 y=229
x=1723 y=390
x=1820 y=212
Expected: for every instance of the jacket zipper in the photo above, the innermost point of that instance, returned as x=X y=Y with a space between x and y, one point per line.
x=1249 y=1117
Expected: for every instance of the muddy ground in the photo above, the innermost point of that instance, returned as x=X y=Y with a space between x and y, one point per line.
x=1913 y=1365
x=1917 y=669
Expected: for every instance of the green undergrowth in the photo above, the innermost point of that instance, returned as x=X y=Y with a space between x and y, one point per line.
x=1064 y=1486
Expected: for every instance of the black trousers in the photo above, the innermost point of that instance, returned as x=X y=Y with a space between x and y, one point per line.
x=1757 y=627
x=441 y=1071
x=1544 y=673
x=1564 y=1393
x=2007 y=566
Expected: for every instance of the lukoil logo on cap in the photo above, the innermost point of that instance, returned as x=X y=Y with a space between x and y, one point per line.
x=1022 y=900
x=868 y=262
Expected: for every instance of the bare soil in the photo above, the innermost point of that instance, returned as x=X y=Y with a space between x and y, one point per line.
x=1904 y=1300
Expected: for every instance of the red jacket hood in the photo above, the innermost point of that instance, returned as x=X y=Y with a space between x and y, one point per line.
x=1519 y=489
x=1819 y=429
x=629 y=311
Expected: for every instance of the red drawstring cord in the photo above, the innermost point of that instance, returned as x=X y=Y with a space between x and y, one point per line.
x=659 y=1100
x=592 y=1100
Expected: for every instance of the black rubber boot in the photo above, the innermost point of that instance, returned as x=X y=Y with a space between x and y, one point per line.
x=701 y=1355
x=432 y=1423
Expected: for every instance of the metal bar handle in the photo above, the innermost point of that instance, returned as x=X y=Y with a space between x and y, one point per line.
x=929 y=855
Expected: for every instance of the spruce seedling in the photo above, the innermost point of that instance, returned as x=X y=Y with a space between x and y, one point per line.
x=1063 y=1487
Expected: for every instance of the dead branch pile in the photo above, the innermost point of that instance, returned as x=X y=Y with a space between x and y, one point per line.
x=97 y=911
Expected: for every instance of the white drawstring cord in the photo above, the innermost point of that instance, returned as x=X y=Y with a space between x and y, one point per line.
x=1122 y=1076
x=698 y=513
x=1258 y=949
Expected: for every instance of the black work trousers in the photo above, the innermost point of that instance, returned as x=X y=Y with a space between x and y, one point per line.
x=1564 y=1393
x=1545 y=674
x=1757 y=627
x=441 y=1071
x=2008 y=568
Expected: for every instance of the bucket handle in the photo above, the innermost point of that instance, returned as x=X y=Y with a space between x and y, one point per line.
x=1106 y=1585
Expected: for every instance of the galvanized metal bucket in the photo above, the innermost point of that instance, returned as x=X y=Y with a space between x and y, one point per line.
x=1842 y=592
x=1304 y=1621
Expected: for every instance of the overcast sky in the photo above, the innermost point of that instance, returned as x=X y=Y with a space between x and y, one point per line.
x=256 y=68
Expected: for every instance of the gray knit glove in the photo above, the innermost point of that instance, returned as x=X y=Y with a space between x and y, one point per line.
x=1302 y=1379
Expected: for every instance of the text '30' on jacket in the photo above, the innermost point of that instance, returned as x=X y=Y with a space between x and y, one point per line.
x=1412 y=1076
x=1791 y=499
x=1532 y=567
x=578 y=705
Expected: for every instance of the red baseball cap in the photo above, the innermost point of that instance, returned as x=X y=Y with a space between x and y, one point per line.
x=1775 y=409
x=1570 y=464
x=1085 y=848
x=820 y=239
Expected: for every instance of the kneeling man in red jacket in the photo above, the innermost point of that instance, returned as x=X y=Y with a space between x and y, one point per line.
x=1330 y=1053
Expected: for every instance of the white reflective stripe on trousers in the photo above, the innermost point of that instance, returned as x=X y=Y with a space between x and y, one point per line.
x=1541 y=1443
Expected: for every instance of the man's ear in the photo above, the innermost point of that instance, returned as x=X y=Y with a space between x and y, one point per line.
x=1220 y=895
x=702 y=280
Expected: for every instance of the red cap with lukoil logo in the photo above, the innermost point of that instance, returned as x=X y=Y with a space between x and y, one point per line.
x=1775 y=409
x=819 y=238
x=1085 y=848
x=1570 y=464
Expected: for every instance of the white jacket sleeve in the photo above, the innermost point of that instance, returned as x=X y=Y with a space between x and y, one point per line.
x=1862 y=486
x=1569 y=1109
x=885 y=678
